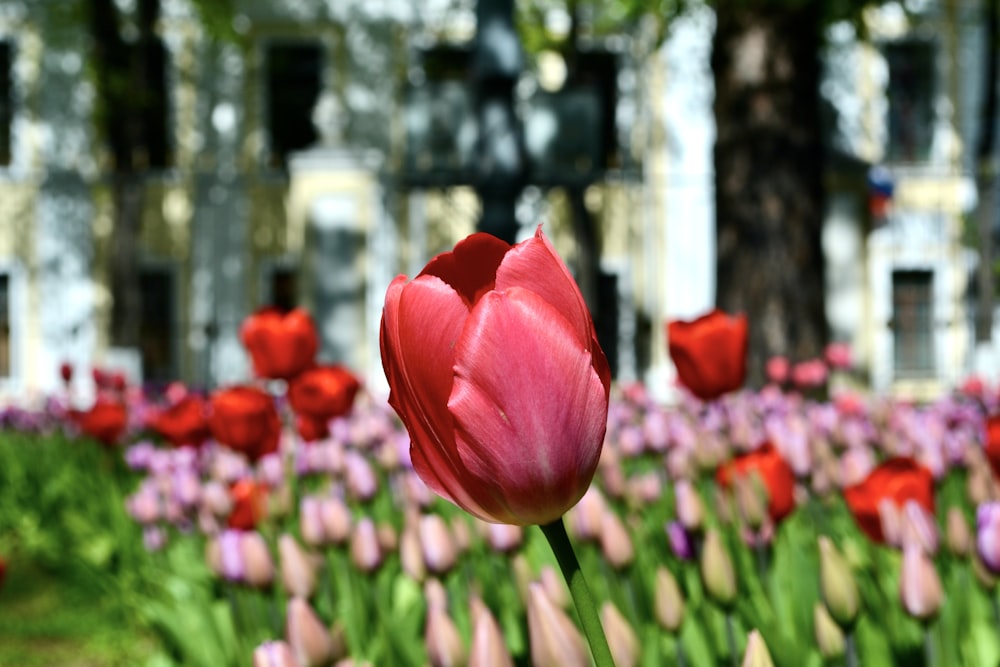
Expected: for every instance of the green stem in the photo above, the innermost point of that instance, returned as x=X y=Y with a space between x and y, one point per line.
x=850 y=649
x=930 y=652
x=590 y=619
x=734 y=655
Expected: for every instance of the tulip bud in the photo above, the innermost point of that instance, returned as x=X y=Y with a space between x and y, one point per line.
x=442 y=639
x=681 y=543
x=988 y=535
x=919 y=584
x=837 y=585
x=410 y=556
x=388 y=540
x=437 y=544
x=555 y=586
x=310 y=523
x=504 y=537
x=361 y=481
x=365 y=551
x=756 y=654
x=488 y=646
x=584 y=521
x=958 y=533
x=274 y=654
x=336 y=519
x=669 y=601
x=717 y=570
x=298 y=569
x=257 y=562
x=435 y=594
x=309 y=638
x=616 y=542
x=216 y=499
x=750 y=498
x=461 y=533
x=689 y=507
x=555 y=641
x=919 y=527
x=829 y=636
x=622 y=640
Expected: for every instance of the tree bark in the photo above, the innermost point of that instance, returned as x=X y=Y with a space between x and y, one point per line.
x=768 y=177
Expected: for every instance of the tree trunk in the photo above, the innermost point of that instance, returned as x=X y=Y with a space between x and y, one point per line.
x=768 y=177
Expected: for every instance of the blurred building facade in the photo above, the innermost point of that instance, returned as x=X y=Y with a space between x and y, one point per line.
x=283 y=183
x=280 y=183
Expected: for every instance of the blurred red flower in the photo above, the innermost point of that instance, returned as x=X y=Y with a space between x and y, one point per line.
x=710 y=353
x=992 y=443
x=774 y=472
x=281 y=345
x=249 y=504
x=320 y=394
x=245 y=419
x=898 y=480
x=185 y=422
x=66 y=372
x=105 y=421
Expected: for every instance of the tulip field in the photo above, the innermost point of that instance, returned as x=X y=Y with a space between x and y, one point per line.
x=300 y=519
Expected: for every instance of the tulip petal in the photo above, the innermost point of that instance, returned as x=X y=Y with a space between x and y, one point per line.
x=530 y=410
x=471 y=267
x=535 y=265
x=420 y=324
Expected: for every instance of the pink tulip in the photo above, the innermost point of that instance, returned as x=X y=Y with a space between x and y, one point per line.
x=366 y=554
x=494 y=367
x=919 y=584
x=488 y=646
x=274 y=654
x=307 y=635
x=555 y=641
x=437 y=543
x=298 y=568
x=442 y=639
x=988 y=535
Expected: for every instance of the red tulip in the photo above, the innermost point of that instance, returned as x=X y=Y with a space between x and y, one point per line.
x=310 y=429
x=105 y=421
x=710 y=353
x=320 y=394
x=183 y=423
x=281 y=345
x=774 y=472
x=66 y=372
x=897 y=480
x=494 y=367
x=245 y=419
x=249 y=504
x=992 y=448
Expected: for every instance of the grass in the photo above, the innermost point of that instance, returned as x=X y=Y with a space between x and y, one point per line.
x=48 y=620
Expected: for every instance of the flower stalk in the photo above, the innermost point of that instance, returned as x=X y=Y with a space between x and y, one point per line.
x=555 y=533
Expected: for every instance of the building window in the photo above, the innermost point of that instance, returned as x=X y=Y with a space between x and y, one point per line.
x=6 y=101
x=911 y=99
x=912 y=323
x=155 y=107
x=294 y=81
x=156 y=333
x=5 y=327
x=284 y=288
